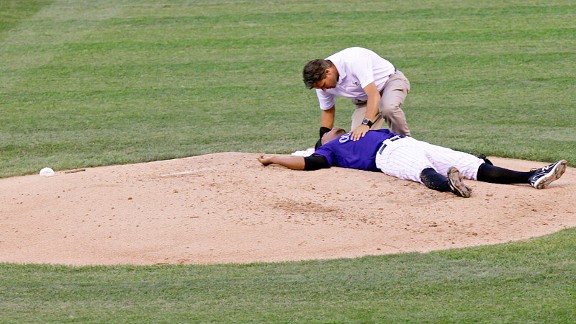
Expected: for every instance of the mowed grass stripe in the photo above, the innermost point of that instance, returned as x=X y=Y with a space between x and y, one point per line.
x=86 y=83
x=100 y=58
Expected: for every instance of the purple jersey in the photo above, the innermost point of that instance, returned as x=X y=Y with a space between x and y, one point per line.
x=361 y=154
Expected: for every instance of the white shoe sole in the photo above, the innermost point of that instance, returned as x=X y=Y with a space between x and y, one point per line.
x=552 y=175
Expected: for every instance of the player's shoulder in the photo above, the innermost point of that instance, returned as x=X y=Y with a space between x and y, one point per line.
x=383 y=132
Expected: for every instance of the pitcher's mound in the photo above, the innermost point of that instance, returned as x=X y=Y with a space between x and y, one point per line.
x=228 y=208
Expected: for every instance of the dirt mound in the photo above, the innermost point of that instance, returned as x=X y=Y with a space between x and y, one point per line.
x=227 y=208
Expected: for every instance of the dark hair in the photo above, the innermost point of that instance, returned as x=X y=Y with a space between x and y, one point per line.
x=339 y=132
x=315 y=71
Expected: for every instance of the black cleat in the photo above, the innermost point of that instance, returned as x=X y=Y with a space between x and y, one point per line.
x=546 y=175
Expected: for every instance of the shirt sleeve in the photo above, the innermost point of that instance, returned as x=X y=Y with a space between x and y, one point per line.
x=325 y=100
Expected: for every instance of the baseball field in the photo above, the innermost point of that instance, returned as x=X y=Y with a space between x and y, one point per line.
x=152 y=115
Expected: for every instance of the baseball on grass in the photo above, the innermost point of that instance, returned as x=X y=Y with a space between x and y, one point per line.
x=46 y=172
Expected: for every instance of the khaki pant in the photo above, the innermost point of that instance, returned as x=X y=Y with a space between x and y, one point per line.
x=390 y=107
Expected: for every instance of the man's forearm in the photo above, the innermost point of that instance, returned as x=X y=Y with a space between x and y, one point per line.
x=372 y=108
x=289 y=161
x=327 y=118
x=373 y=101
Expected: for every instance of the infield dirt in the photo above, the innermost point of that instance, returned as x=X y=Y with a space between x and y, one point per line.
x=227 y=208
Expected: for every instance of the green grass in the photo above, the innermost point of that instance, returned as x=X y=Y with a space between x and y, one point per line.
x=524 y=282
x=12 y=12
x=88 y=83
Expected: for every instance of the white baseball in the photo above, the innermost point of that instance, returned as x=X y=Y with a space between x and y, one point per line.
x=46 y=172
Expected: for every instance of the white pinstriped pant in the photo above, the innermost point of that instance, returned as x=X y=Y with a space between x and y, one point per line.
x=405 y=158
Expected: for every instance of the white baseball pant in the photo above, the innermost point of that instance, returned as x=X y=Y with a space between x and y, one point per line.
x=406 y=157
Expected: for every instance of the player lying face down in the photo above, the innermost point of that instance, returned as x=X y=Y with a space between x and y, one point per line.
x=403 y=157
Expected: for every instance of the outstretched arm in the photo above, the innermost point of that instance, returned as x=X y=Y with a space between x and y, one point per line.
x=289 y=161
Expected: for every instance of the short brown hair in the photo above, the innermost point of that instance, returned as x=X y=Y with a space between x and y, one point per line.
x=315 y=71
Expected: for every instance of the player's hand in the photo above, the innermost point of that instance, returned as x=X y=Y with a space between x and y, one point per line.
x=359 y=132
x=265 y=160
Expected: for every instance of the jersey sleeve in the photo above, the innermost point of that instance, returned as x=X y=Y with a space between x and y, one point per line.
x=315 y=162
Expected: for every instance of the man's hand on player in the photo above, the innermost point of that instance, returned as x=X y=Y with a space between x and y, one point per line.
x=359 y=132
